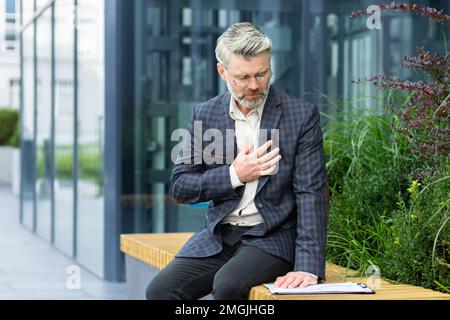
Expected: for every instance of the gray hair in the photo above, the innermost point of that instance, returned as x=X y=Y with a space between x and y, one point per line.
x=242 y=39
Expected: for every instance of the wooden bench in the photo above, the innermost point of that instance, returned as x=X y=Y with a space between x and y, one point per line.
x=158 y=250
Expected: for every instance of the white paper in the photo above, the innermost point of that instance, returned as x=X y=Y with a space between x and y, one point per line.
x=345 y=287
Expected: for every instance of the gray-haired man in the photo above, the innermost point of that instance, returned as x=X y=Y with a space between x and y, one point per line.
x=262 y=225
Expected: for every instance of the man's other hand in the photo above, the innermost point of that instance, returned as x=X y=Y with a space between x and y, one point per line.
x=295 y=279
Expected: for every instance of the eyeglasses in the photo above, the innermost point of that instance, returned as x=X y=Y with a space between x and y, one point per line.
x=243 y=81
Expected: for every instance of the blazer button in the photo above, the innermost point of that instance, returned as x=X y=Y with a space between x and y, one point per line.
x=259 y=205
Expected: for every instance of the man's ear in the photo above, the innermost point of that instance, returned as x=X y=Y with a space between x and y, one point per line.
x=221 y=71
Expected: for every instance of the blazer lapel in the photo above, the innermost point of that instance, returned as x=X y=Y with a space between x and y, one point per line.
x=270 y=120
x=226 y=124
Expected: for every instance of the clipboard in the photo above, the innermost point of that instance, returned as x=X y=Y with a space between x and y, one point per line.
x=324 y=288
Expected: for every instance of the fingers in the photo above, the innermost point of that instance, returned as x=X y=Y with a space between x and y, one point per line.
x=263 y=148
x=295 y=283
x=268 y=171
x=302 y=282
x=269 y=155
x=280 y=281
x=248 y=148
x=293 y=280
x=270 y=166
x=306 y=282
x=271 y=163
x=288 y=282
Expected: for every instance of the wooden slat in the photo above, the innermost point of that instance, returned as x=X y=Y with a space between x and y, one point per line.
x=159 y=249
x=155 y=249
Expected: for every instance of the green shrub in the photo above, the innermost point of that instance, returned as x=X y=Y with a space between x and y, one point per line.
x=419 y=253
x=371 y=170
x=15 y=139
x=9 y=127
x=367 y=167
x=64 y=166
x=361 y=142
x=90 y=163
x=390 y=204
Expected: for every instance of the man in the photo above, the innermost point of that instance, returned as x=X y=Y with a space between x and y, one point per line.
x=267 y=214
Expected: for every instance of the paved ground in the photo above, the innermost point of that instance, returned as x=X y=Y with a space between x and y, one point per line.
x=30 y=268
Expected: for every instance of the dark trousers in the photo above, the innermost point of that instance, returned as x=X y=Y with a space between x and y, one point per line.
x=228 y=275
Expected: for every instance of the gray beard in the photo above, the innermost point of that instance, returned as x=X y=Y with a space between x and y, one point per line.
x=249 y=104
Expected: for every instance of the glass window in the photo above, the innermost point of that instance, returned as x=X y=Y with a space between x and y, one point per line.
x=43 y=123
x=90 y=209
x=27 y=10
x=27 y=145
x=41 y=4
x=10 y=6
x=64 y=126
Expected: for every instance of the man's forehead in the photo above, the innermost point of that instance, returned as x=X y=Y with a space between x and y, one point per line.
x=256 y=63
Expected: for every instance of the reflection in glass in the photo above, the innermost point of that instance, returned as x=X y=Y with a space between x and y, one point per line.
x=43 y=121
x=90 y=213
x=27 y=144
x=27 y=10
x=40 y=4
x=64 y=126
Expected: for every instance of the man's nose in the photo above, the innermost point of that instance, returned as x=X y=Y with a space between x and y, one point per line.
x=253 y=84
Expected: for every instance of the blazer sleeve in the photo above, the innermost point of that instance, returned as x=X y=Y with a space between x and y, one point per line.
x=190 y=181
x=309 y=184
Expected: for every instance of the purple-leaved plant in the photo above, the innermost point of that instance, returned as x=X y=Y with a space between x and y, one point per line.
x=425 y=120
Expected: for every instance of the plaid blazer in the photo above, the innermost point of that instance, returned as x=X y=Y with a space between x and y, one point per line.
x=293 y=202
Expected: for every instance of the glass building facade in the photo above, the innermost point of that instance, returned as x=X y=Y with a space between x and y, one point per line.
x=105 y=83
x=9 y=54
x=8 y=26
x=62 y=193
